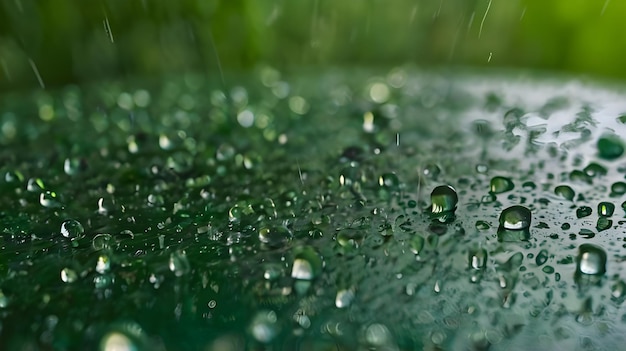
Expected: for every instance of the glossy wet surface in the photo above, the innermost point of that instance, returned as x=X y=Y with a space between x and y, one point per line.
x=388 y=210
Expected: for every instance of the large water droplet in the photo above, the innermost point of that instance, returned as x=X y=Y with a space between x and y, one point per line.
x=515 y=218
x=116 y=341
x=514 y=224
x=591 y=260
x=565 y=191
x=610 y=147
x=499 y=185
x=444 y=200
x=307 y=264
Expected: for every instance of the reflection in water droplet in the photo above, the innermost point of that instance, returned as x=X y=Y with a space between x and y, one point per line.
x=515 y=218
x=72 y=229
x=606 y=209
x=499 y=185
x=344 y=298
x=275 y=236
x=444 y=200
x=565 y=192
x=68 y=275
x=591 y=260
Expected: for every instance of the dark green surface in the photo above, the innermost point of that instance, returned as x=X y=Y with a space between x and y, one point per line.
x=271 y=212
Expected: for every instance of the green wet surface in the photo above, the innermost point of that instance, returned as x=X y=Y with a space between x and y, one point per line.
x=276 y=212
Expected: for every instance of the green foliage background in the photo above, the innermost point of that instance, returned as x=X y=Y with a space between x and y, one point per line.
x=67 y=40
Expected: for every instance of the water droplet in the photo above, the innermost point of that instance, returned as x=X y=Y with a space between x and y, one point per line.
x=307 y=264
x=49 y=199
x=275 y=236
x=610 y=147
x=264 y=326
x=344 y=298
x=4 y=300
x=618 y=188
x=102 y=242
x=515 y=218
x=35 y=185
x=591 y=260
x=417 y=244
x=565 y=191
x=103 y=265
x=116 y=341
x=478 y=259
x=72 y=229
x=514 y=224
x=594 y=169
x=68 y=275
x=606 y=209
x=499 y=185
x=583 y=211
x=179 y=264
x=482 y=225
x=444 y=200
x=603 y=223
x=432 y=171
x=542 y=257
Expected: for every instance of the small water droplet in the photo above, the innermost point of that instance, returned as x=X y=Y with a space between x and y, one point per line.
x=68 y=275
x=499 y=185
x=603 y=223
x=594 y=169
x=565 y=191
x=482 y=225
x=417 y=244
x=478 y=259
x=542 y=257
x=344 y=298
x=103 y=265
x=275 y=236
x=515 y=218
x=102 y=242
x=606 y=209
x=583 y=211
x=618 y=188
x=72 y=229
x=49 y=199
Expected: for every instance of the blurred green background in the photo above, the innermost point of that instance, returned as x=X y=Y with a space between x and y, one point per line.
x=77 y=41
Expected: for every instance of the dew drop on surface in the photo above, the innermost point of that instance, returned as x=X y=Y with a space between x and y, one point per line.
x=499 y=185
x=482 y=225
x=275 y=236
x=72 y=229
x=515 y=218
x=606 y=209
x=344 y=298
x=307 y=264
x=444 y=199
x=603 y=223
x=478 y=259
x=264 y=326
x=595 y=170
x=116 y=341
x=102 y=242
x=68 y=275
x=610 y=147
x=542 y=257
x=178 y=263
x=49 y=199
x=583 y=211
x=618 y=188
x=565 y=191
x=591 y=260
